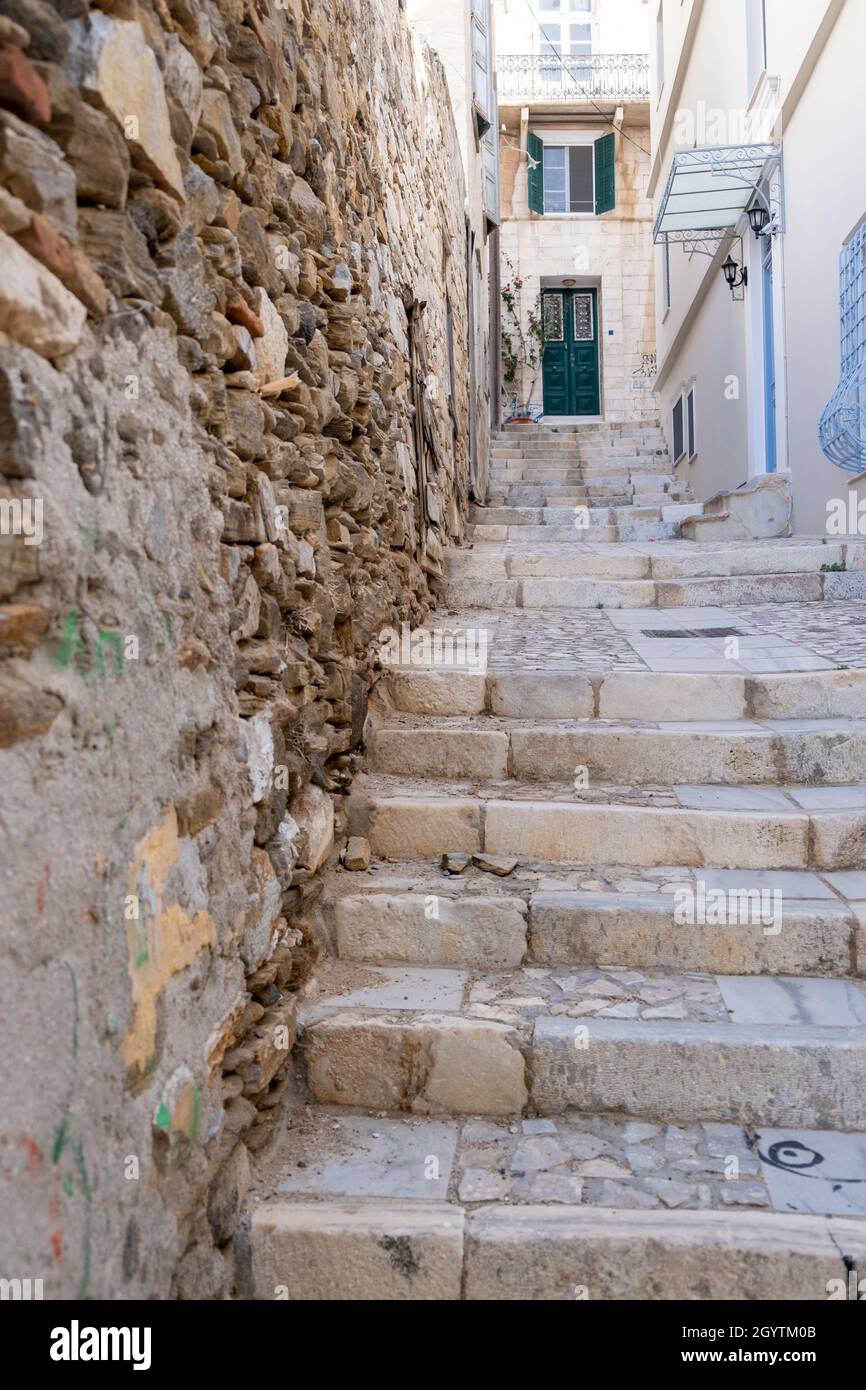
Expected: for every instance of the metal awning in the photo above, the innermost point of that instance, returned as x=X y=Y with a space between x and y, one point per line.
x=708 y=190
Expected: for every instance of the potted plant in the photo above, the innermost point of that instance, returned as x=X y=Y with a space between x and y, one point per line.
x=522 y=345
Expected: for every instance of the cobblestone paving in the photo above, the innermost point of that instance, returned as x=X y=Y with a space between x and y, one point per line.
x=588 y=640
x=836 y=631
x=609 y=1163
x=611 y=992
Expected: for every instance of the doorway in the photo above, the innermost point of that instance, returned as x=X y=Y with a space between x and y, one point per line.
x=570 y=365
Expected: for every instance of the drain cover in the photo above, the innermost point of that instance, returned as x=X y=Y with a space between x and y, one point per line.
x=668 y=632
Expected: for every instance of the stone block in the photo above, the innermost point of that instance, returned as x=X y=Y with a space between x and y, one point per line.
x=347 y=1251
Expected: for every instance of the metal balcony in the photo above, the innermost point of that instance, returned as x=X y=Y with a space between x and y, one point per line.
x=620 y=77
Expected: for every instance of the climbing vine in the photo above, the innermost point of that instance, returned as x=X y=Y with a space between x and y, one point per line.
x=522 y=334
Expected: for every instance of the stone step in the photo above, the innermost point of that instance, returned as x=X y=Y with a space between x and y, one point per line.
x=668 y=1048
x=819 y=828
x=737 y=752
x=381 y=1207
x=628 y=695
x=725 y=591
x=727 y=922
x=684 y=561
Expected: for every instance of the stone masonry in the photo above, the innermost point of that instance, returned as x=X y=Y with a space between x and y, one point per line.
x=231 y=455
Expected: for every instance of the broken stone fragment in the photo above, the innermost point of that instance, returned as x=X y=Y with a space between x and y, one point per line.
x=25 y=711
x=239 y=311
x=356 y=855
x=498 y=864
x=119 y=252
x=21 y=87
x=273 y=343
x=70 y=266
x=455 y=863
x=33 y=168
x=22 y=625
x=116 y=69
x=35 y=308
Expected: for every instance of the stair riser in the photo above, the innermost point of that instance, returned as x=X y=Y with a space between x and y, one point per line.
x=400 y=827
x=555 y=1253
x=684 y=1073
x=630 y=695
x=345 y=1251
x=428 y=1064
x=588 y=930
x=589 y=593
x=524 y=564
x=565 y=929
x=629 y=757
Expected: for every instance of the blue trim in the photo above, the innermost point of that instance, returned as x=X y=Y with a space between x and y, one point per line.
x=769 y=358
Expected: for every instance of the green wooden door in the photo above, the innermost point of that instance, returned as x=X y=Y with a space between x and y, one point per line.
x=570 y=364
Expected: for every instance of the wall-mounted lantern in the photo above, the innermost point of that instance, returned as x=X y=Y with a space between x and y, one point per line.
x=758 y=218
x=737 y=276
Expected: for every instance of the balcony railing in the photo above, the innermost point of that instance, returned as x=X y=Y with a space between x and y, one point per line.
x=620 y=77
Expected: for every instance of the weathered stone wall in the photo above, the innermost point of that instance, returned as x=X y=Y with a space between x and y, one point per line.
x=213 y=217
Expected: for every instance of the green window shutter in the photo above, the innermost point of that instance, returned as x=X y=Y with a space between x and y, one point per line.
x=605 y=173
x=535 y=182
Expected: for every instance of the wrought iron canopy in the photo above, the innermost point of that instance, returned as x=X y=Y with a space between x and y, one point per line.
x=708 y=190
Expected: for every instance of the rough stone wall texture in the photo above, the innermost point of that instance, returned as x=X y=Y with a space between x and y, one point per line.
x=213 y=217
x=613 y=252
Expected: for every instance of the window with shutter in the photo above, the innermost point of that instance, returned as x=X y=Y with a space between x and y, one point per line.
x=605 y=173
x=535 y=178
x=679 y=446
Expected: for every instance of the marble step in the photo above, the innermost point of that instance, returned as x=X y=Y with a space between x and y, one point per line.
x=570 y=535
x=741 y=752
x=668 y=1048
x=820 y=828
x=383 y=1207
x=723 y=591
x=728 y=922
x=682 y=561
x=629 y=695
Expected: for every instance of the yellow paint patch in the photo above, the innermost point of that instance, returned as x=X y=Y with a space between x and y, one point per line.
x=165 y=939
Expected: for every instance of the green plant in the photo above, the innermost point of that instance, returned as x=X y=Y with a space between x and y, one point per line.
x=522 y=335
x=832 y=569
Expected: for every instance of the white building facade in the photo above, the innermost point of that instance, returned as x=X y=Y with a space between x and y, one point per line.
x=573 y=89
x=757 y=161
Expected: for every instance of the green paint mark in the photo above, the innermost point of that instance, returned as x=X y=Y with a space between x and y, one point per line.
x=62 y=1134
x=115 y=641
x=71 y=645
x=142 y=950
x=68 y=1185
x=151 y=1063
x=84 y=1182
x=162 y=1118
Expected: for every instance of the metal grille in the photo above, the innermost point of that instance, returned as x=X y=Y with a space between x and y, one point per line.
x=552 y=318
x=583 y=330
x=842 y=431
x=581 y=77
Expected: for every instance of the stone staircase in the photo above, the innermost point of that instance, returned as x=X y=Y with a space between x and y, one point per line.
x=613 y=1044
x=603 y=482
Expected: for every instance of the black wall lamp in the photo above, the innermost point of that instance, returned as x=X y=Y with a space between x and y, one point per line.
x=736 y=275
x=758 y=218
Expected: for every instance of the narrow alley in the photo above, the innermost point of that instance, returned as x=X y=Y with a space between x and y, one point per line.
x=432 y=665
